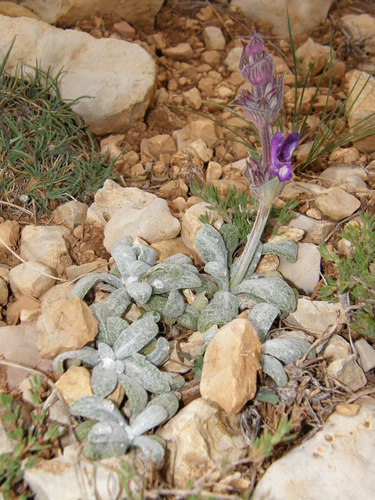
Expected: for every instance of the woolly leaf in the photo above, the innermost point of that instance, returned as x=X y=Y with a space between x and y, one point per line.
x=208 y=286
x=220 y=272
x=114 y=326
x=222 y=309
x=160 y=353
x=96 y=408
x=274 y=291
x=210 y=245
x=174 y=307
x=231 y=236
x=140 y=292
x=150 y=447
x=138 y=268
x=82 y=286
x=169 y=401
x=136 y=394
x=150 y=417
x=287 y=249
x=124 y=255
x=108 y=432
x=261 y=317
x=165 y=277
x=135 y=337
x=105 y=351
x=156 y=303
x=190 y=317
x=286 y=350
x=103 y=381
x=98 y=451
x=147 y=374
x=274 y=369
x=87 y=355
x=179 y=259
x=145 y=254
x=175 y=380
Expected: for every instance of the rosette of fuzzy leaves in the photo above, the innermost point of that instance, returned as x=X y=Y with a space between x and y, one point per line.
x=111 y=434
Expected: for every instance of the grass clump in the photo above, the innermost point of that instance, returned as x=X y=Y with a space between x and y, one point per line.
x=356 y=275
x=46 y=154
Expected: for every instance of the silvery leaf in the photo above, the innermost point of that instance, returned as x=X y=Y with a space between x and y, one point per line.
x=208 y=286
x=118 y=302
x=114 y=326
x=231 y=236
x=169 y=401
x=135 y=337
x=136 y=394
x=145 y=254
x=178 y=258
x=165 y=277
x=124 y=255
x=210 y=244
x=147 y=374
x=274 y=369
x=138 y=268
x=286 y=350
x=209 y=335
x=287 y=249
x=108 y=432
x=150 y=417
x=140 y=292
x=189 y=319
x=220 y=272
x=156 y=303
x=160 y=354
x=150 y=446
x=261 y=317
x=103 y=381
x=222 y=309
x=201 y=302
x=87 y=355
x=175 y=380
x=96 y=408
x=84 y=284
x=97 y=451
x=105 y=351
x=175 y=305
x=274 y=291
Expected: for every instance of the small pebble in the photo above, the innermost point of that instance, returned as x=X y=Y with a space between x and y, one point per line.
x=348 y=410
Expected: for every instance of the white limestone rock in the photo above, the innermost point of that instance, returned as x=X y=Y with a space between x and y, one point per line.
x=337 y=204
x=31 y=279
x=315 y=230
x=117 y=76
x=304 y=274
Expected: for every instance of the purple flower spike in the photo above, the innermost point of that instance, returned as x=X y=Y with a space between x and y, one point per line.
x=281 y=155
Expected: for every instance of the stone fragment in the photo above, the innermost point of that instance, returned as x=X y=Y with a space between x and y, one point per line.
x=337 y=348
x=57 y=292
x=366 y=354
x=284 y=233
x=214 y=171
x=200 y=149
x=305 y=272
x=211 y=57
x=6 y=444
x=304 y=14
x=299 y=190
x=65 y=325
x=70 y=214
x=18 y=344
x=9 y=233
x=112 y=197
x=173 y=189
x=11 y=9
x=180 y=52
x=350 y=178
x=152 y=223
x=337 y=204
x=167 y=248
x=313 y=55
x=191 y=223
x=347 y=372
x=98 y=266
x=232 y=59
x=231 y=365
x=75 y=383
x=46 y=244
x=267 y=264
x=315 y=230
x=193 y=98
x=157 y=145
x=361 y=27
x=124 y=29
x=198 y=129
x=316 y=316
x=4 y=292
x=31 y=278
x=348 y=410
x=67 y=13
x=24 y=309
x=198 y=437
x=347 y=156
x=360 y=105
x=338 y=459
x=213 y=38
x=115 y=103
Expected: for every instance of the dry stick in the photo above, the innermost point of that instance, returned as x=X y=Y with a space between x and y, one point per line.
x=16 y=206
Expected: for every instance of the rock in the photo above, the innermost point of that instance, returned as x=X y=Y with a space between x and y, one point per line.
x=70 y=214
x=157 y=145
x=9 y=233
x=304 y=15
x=191 y=223
x=211 y=57
x=31 y=279
x=313 y=54
x=152 y=223
x=366 y=354
x=231 y=365
x=347 y=372
x=180 y=52
x=4 y=292
x=24 y=309
x=361 y=27
x=65 y=325
x=198 y=437
x=297 y=189
x=75 y=383
x=198 y=129
x=11 y=9
x=304 y=274
x=214 y=171
x=347 y=156
x=316 y=231
x=98 y=266
x=213 y=38
x=284 y=233
x=172 y=189
x=124 y=29
x=200 y=149
x=232 y=60
x=267 y=264
x=337 y=348
x=193 y=98
x=167 y=248
x=18 y=344
x=338 y=460
x=46 y=244
x=337 y=203
x=316 y=316
x=360 y=105
x=116 y=102
x=350 y=178
x=67 y=13
x=57 y=292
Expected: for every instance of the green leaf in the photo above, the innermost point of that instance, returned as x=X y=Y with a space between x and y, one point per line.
x=287 y=249
x=82 y=286
x=262 y=317
x=147 y=374
x=135 y=337
x=210 y=244
x=96 y=408
x=103 y=381
x=222 y=309
x=140 y=292
x=165 y=277
x=274 y=369
x=286 y=350
x=136 y=394
x=150 y=447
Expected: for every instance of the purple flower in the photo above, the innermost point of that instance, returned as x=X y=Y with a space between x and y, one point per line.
x=281 y=155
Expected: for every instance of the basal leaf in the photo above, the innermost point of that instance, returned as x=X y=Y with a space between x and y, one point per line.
x=135 y=337
x=136 y=394
x=165 y=277
x=82 y=286
x=287 y=249
x=210 y=244
x=261 y=317
x=274 y=291
x=150 y=447
x=124 y=255
x=103 y=381
x=150 y=417
x=146 y=374
x=222 y=309
x=286 y=350
x=140 y=292
x=160 y=353
x=87 y=355
x=96 y=408
x=274 y=369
